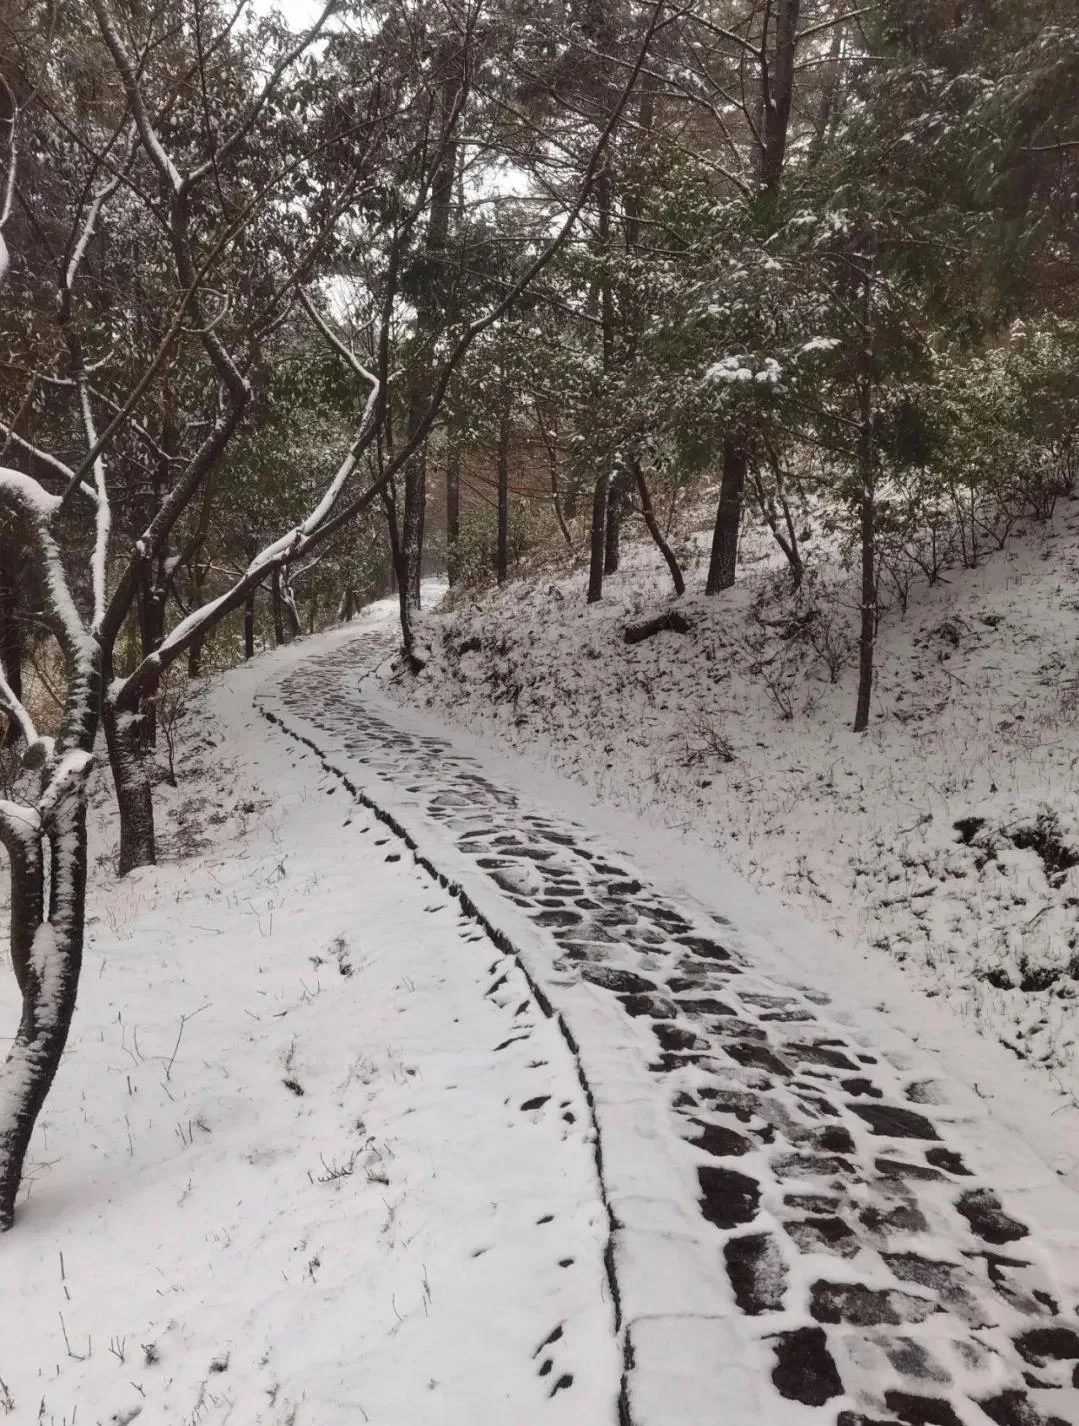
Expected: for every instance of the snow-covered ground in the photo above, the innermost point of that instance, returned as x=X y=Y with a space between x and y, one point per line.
x=316 y=1156
x=945 y=837
x=282 y=1177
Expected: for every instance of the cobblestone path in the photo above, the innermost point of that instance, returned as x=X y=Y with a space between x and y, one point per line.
x=876 y=1277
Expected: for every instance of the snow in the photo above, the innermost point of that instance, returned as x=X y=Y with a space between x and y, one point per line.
x=27 y=494
x=21 y=822
x=734 y=739
x=283 y=1177
x=294 y=1168
x=819 y=344
x=69 y=770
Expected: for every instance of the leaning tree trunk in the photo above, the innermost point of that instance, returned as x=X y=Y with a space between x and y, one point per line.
x=50 y=981
x=724 y=560
x=652 y=523
x=599 y=542
x=786 y=538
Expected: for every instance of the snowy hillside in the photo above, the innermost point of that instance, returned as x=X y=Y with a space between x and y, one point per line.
x=947 y=836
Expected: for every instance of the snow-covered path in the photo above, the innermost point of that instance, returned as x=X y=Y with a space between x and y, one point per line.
x=315 y=1156
x=803 y=1226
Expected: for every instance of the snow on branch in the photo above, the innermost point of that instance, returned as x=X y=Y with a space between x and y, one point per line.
x=103 y=517
x=334 y=340
x=82 y=242
x=323 y=522
x=278 y=552
x=7 y=197
x=67 y=778
x=14 y=705
x=147 y=132
x=18 y=824
x=13 y=438
x=24 y=497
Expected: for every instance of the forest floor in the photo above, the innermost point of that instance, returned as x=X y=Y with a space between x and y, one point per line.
x=946 y=837
x=416 y=1086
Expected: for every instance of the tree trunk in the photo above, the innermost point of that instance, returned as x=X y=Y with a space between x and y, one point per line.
x=552 y=468
x=249 y=626
x=868 y=511
x=869 y=610
x=11 y=650
x=194 y=653
x=786 y=538
x=777 y=93
x=429 y=316
x=829 y=108
x=724 y=560
x=278 y=613
x=652 y=523
x=249 y=611
x=556 y=501
x=134 y=790
x=613 y=531
x=413 y=522
x=27 y=897
x=288 y=601
x=598 y=544
x=453 y=512
x=389 y=504
x=777 y=85
x=151 y=612
x=502 y=557
x=50 y=978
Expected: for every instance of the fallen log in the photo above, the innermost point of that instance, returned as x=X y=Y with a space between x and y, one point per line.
x=674 y=620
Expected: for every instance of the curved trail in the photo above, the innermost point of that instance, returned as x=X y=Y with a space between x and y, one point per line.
x=796 y=1233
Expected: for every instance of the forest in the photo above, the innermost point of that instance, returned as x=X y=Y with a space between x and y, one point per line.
x=291 y=316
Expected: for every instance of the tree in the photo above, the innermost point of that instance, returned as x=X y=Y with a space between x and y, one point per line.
x=51 y=832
